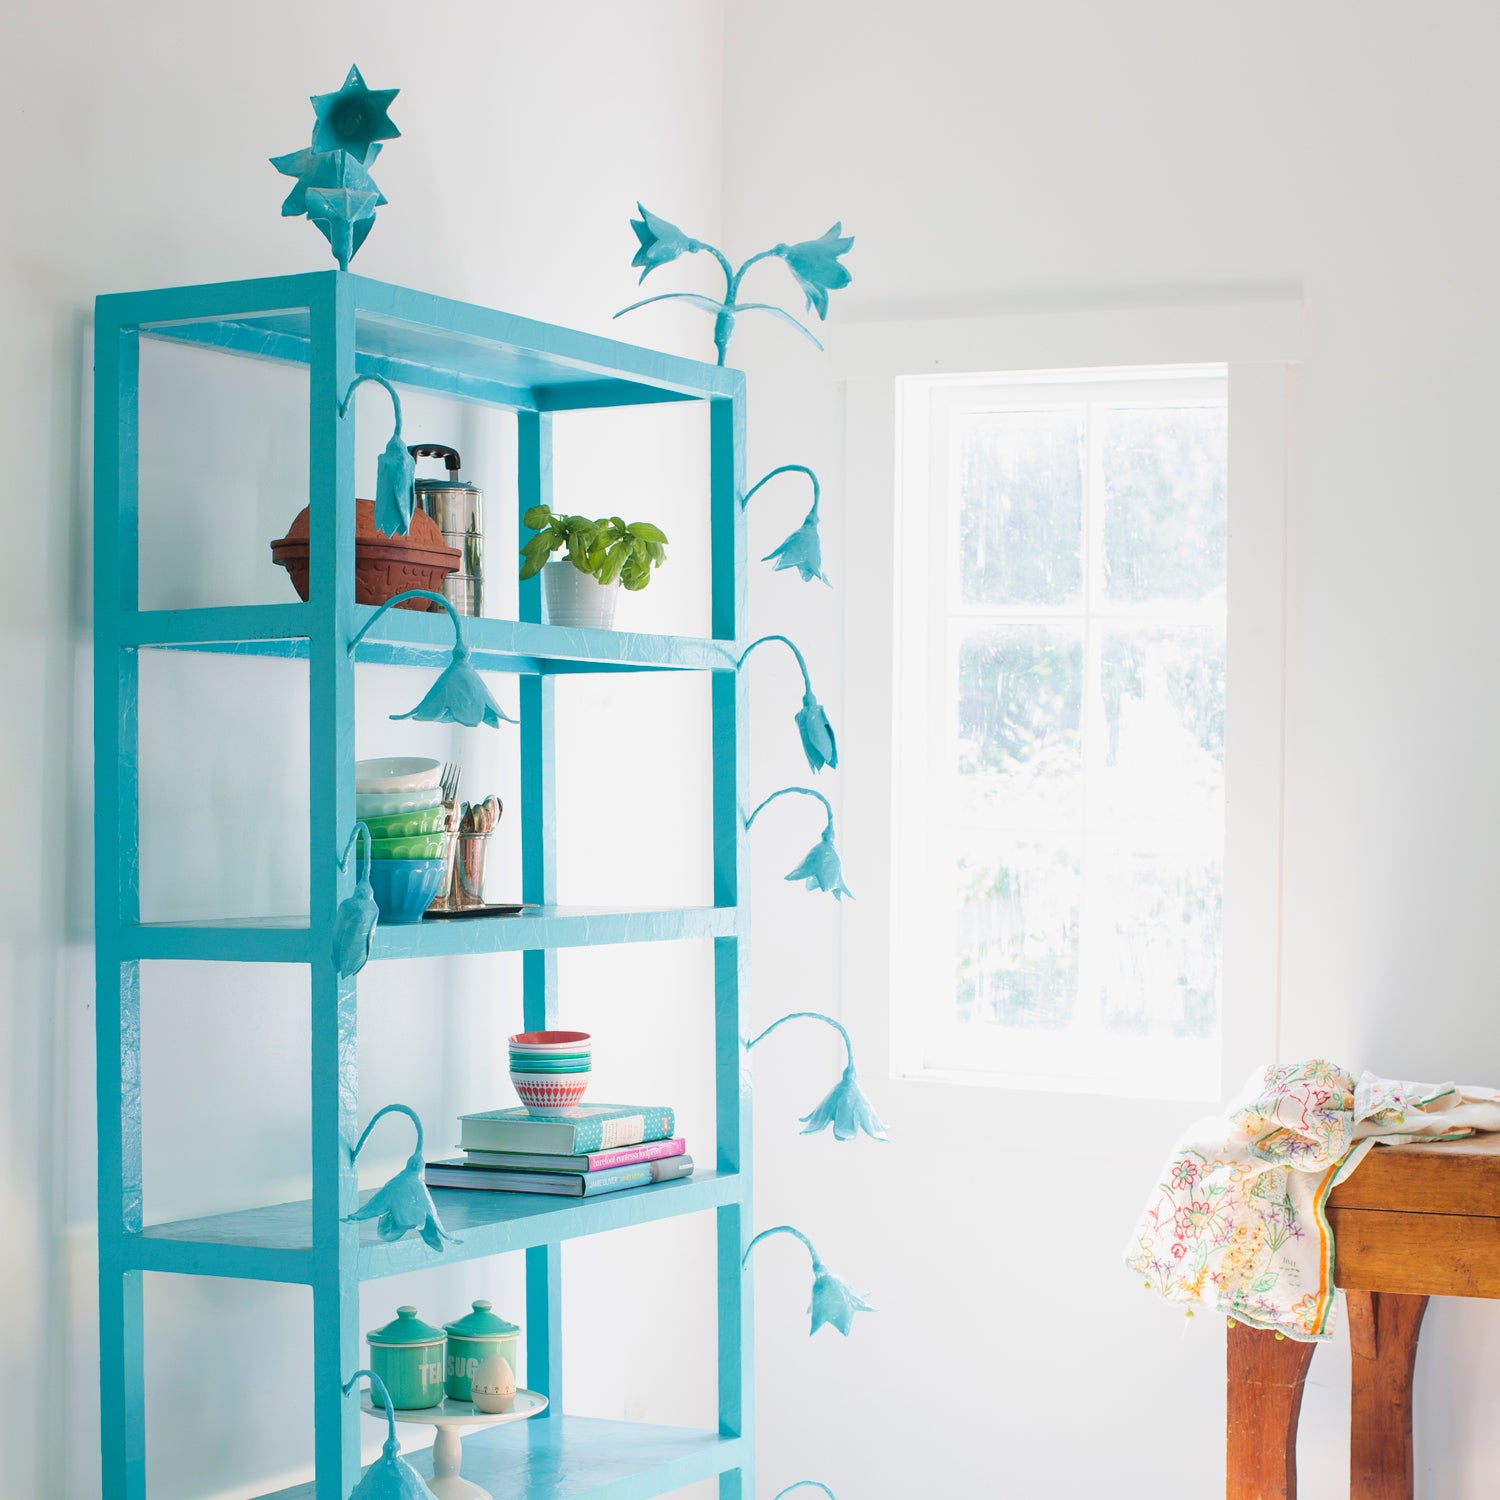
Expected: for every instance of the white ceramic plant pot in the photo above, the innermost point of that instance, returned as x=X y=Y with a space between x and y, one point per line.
x=577 y=599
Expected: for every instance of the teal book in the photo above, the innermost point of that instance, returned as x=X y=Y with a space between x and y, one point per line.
x=462 y=1174
x=570 y=1132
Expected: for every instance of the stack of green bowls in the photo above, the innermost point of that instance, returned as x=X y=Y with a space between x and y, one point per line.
x=550 y=1069
x=401 y=802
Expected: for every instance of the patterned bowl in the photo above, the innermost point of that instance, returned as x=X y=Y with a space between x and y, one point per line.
x=551 y=1041
x=369 y=805
x=406 y=825
x=418 y=846
x=404 y=888
x=546 y=1093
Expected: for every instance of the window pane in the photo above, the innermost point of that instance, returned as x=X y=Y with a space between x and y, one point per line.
x=1020 y=506
x=1165 y=502
x=1162 y=752
x=1020 y=706
x=1156 y=943
x=1018 y=904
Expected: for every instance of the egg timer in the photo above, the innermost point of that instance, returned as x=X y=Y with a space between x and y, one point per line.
x=494 y=1385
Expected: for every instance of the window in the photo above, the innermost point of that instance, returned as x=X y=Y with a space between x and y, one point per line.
x=1059 y=798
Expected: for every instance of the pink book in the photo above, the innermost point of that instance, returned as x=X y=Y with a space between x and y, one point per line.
x=594 y=1161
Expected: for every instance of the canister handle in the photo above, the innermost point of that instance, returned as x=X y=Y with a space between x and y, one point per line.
x=451 y=461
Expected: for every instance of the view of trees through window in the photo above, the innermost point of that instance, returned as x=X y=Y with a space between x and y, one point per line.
x=1082 y=631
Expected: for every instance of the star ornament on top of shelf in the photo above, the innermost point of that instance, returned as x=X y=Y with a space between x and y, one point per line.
x=334 y=188
x=354 y=119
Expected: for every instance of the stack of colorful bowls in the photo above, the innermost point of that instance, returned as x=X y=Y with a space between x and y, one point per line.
x=550 y=1069
x=400 y=802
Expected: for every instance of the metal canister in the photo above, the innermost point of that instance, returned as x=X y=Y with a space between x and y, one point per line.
x=458 y=509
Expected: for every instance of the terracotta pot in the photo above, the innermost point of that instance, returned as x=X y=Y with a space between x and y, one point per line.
x=383 y=565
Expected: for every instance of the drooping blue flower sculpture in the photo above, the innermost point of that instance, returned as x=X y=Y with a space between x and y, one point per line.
x=821 y=869
x=803 y=549
x=812 y=1484
x=845 y=1107
x=354 y=922
x=459 y=696
x=834 y=1301
x=816 y=265
x=818 y=743
x=334 y=187
x=404 y=1203
x=395 y=469
x=390 y=1477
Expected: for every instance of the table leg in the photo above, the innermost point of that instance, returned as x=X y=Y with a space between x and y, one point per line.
x=1264 y=1399
x=1383 y=1330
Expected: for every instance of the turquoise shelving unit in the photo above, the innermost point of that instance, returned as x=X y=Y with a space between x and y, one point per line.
x=340 y=325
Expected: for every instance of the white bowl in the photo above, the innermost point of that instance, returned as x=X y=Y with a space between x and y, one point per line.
x=382 y=804
x=402 y=773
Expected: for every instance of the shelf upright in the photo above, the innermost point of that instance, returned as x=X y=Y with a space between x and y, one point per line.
x=117 y=976
x=539 y=885
x=338 y=325
x=334 y=1018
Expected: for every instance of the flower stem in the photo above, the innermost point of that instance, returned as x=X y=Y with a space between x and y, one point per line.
x=349 y=848
x=791 y=645
x=739 y=276
x=809 y=1015
x=815 y=1484
x=786 y=791
x=390 y=1416
x=395 y=599
x=403 y=1109
x=723 y=261
x=358 y=381
x=781 y=1229
x=788 y=469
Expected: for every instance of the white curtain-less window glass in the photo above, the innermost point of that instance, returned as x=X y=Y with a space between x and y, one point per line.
x=1069 y=824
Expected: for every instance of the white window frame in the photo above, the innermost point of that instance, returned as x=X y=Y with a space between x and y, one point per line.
x=927 y=407
x=1261 y=345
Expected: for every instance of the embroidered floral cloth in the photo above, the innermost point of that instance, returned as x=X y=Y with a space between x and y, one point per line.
x=1237 y=1222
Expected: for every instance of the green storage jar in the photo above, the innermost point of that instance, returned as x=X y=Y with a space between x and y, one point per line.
x=472 y=1338
x=408 y=1355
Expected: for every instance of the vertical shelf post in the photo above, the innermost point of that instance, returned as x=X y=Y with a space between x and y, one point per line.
x=122 y=1417
x=539 y=885
x=731 y=954
x=335 y=1075
x=117 y=980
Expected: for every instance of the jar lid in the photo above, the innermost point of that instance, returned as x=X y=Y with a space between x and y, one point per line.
x=406 y=1328
x=480 y=1324
x=446 y=484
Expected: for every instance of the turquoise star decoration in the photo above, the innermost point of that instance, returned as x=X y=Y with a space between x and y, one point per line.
x=333 y=184
x=355 y=118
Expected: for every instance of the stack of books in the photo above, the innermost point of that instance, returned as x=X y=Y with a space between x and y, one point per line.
x=592 y=1148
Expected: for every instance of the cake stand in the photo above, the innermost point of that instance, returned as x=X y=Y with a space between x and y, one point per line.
x=450 y=1418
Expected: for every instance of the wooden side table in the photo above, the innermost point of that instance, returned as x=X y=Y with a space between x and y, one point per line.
x=1412 y=1222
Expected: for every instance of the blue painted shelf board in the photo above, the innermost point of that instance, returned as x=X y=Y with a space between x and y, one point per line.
x=570 y=1457
x=275 y=1243
x=408 y=639
x=288 y=939
x=417 y=339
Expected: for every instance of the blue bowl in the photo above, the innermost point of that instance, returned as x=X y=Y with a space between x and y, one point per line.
x=404 y=888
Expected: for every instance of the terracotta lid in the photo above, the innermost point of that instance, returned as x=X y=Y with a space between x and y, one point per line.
x=424 y=530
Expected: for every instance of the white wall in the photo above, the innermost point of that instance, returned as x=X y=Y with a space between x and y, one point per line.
x=136 y=145
x=1009 y=157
